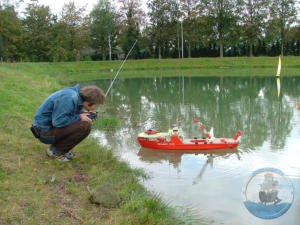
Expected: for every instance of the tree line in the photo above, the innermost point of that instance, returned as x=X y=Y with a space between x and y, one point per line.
x=169 y=29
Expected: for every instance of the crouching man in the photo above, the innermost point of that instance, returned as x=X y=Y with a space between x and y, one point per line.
x=61 y=122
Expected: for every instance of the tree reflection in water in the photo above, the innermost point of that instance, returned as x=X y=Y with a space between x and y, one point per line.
x=174 y=157
x=227 y=104
x=270 y=131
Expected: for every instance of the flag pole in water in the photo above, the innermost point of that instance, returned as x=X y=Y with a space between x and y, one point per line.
x=111 y=84
x=278 y=76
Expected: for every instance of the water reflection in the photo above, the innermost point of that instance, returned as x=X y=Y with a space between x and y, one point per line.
x=226 y=104
x=174 y=157
x=211 y=182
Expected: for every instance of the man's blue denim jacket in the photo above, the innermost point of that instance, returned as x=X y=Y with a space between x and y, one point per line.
x=60 y=109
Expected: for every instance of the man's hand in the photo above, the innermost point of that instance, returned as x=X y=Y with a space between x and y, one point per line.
x=84 y=117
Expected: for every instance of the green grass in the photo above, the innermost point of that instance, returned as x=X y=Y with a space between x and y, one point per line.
x=27 y=195
x=106 y=123
x=228 y=66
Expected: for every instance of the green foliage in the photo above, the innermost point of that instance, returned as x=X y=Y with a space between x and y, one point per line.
x=3 y=174
x=10 y=31
x=163 y=16
x=38 y=26
x=107 y=123
x=75 y=30
x=222 y=16
x=149 y=210
x=87 y=58
x=103 y=27
x=210 y=28
x=195 y=27
x=252 y=16
x=132 y=16
x=282 y=15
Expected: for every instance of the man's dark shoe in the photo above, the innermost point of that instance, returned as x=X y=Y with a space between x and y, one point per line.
x=69 y=155
x=60 y=157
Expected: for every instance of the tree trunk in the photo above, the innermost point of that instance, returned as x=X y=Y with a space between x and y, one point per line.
x=221 y=45
x=281 y=50
x=251 y=49
x=78 y=56
x=109 y=46
x=159 y=52
x=282 y=41
x=103 y=54
x=178 y=42
x=190 y=50
x=182 y=40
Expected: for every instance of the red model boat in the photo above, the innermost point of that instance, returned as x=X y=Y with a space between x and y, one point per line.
x=173 y=140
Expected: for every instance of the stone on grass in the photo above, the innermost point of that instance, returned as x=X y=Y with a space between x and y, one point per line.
x=105 y=195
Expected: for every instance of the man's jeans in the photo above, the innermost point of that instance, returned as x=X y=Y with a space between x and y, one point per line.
x=63 y=139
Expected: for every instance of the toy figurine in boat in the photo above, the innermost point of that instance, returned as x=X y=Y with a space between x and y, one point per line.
x=174 y=140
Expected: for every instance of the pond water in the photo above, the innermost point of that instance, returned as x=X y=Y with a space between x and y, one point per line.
x=209 y=182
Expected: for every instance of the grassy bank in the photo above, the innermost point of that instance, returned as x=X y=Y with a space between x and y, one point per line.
x=229 y=66
x=27 y=195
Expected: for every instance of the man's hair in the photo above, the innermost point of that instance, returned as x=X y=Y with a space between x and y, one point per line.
x=93 y=95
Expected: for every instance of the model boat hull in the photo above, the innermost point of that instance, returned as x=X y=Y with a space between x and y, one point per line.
x=173 y=146
x=157 y=141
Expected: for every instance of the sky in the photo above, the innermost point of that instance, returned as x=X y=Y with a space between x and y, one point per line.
x=56 y=5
